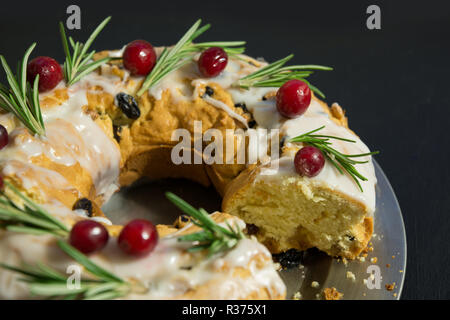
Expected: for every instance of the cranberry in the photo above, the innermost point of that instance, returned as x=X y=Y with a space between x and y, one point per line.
x=49 y=71
x=3 y=137
x=139 y=57
x=293 y=98
x=88 y=236
x=2 y=184
x=212 y=62
x=309 y=161
x=138 y=238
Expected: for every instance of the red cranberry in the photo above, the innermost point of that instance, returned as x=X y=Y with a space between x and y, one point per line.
x=139 y=57
x=49 y=71
x=88 y=236
x=212 y=62
x=2 y=184
x=138 y=238
x=309 y=161
x=3 y=137
x=293 y=98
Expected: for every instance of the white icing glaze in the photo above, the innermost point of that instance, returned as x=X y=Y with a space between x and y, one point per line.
x=329 y=177
x=220 y=105
x=72 y=137
x=109 y=83
x=169 y=271
x=40 y=176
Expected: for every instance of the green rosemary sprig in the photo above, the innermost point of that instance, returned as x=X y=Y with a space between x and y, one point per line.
x=29 y=217
x=44 y=281
x=213 y=237
x=339 y=160
x=276 y=74
x=79 y=63
x=32 y=219
x=20 y=98
x=183 y=52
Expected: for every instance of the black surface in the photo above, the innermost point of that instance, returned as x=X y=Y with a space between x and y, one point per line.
x=393 y=82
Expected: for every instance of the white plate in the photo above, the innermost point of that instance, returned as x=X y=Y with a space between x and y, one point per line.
x=146 y=200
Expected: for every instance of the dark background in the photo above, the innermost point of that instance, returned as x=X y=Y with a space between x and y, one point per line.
x=393 y=82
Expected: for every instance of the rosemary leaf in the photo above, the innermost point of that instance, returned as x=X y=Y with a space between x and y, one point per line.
x=79 y=63
x=20 y=98
x=47 y=282
x=340 y=161
x=183 y=52
x=87 y=263
x=29 y=217
x=276 y=74
x=213 y=238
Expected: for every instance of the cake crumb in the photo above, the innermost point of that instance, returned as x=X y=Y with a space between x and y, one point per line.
x=315 y=284
x=297 y=296
x=388 y=265
x=374 y=260
x=393 y=257
x=401 y=271
x=332 y=294
x=395 y=294
x=351 y=276
x=367 y=249
x=362 y=259
x=390 y=287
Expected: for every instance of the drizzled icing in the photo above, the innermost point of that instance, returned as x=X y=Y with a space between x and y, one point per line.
x=71 y=137
x=226 y=108
x=181 y=81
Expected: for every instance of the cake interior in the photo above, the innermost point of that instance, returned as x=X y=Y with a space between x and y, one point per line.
x=290 y=213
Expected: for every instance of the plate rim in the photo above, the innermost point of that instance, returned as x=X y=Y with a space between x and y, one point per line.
x=403 y=229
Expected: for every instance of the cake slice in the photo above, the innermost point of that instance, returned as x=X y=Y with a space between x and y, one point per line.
x=329 y=211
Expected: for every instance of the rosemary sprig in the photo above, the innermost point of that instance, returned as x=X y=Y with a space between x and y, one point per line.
x=79 y=63
x=213 y=237
x=28 y=218
x=276 y=74
x=183 y=52
x=20 y=98
x=32 y=219
x=44 y=281
x=342 y=162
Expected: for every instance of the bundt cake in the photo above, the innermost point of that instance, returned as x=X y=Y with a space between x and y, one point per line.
x=109 y=128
